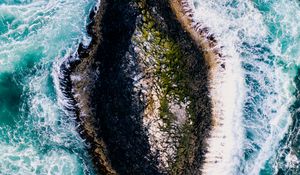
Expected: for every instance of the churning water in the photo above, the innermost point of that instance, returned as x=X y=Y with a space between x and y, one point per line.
x=259 y=39
x=37 y=136
x=263 y=37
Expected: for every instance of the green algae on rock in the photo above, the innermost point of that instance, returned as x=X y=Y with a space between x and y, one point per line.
x=169 y=86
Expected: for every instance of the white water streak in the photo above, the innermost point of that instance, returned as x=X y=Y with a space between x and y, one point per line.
x=232 y=23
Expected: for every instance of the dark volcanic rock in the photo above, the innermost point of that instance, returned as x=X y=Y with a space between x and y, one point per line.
x=116 y=110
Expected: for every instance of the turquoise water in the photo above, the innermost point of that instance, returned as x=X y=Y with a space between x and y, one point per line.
x=264 y=37
x=37 y=136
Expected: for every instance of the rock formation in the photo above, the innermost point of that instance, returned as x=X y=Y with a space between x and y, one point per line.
x=142 y=90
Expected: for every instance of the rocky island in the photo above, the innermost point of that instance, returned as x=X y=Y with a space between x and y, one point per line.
x=143 y=103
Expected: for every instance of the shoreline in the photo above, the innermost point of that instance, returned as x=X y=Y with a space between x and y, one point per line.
x=199 y=34
x=82 y=78
x=220 y=70
x=184 y=13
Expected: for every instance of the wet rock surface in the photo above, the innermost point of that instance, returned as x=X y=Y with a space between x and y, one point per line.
x=141 y=90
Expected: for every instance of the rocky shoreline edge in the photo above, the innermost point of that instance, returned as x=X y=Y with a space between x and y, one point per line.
x=142 y=90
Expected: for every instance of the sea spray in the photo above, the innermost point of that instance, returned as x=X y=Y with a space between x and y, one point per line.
x=245 y=30
x=36 y=135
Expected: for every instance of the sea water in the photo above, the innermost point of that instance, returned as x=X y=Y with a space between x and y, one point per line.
x=37 y=136
x=263 y=36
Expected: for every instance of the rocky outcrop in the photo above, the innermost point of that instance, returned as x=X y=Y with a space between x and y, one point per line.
x=142 y=91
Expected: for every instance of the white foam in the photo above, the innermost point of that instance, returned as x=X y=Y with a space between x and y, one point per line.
x=20 y=160
x=55 y=28
x=57 y=74
x=232 y=24
x=226 y=89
